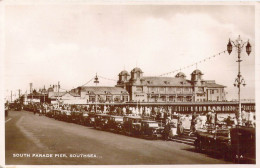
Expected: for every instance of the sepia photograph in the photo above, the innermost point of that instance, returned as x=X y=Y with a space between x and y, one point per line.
x=129 y=83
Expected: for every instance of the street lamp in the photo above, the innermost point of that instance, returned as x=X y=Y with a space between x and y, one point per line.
x=239 y=45
x=96 y=82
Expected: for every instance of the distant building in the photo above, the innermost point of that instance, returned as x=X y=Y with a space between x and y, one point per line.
x=36 y=97
x=65 y=98
x=170 y=89
x=101 y=94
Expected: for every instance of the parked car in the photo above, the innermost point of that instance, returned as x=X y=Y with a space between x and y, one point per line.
x=77 y=117
x=151 y=129
x=66 y=115
x=50 y=113
x=236 y=144
x=6 y=110
x=115 y=123
x=89 y=119
x=57 y=114
x=216 y=142
x=243 y=145
x=101 y=121
x=132 y=125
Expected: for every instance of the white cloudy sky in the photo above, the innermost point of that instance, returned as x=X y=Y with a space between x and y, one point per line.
x=45 y=44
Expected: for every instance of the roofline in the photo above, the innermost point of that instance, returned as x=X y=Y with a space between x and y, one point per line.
x=100 y=86
x=217 y=87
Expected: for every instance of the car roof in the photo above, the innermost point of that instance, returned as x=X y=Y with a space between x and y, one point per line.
x=149 y=121
x=117 y=116
x=102 y=114
x=133 y=117
x=244 y=129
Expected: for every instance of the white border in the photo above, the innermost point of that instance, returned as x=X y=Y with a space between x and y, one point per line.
x=134 y=2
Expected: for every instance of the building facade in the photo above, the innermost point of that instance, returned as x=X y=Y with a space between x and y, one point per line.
x=170 y=89
x=102 y=94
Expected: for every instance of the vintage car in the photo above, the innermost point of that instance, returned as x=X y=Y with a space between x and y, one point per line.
x=115 y=123
x=89 y=118
x=6 y=109
x=101 y=121
x=217 y=142
x=236 y=144
x=57 y=114
x=132 y=125
x=67 y=115
x=50 y=113
x=243 y=145
x=77 y=117
x=151 y=129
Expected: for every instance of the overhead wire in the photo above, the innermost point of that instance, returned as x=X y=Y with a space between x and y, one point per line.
x=185 y=67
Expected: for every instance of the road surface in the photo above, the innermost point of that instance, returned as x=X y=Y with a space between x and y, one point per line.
x=39 y=140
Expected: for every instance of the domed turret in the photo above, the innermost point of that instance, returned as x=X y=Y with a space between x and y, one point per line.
x=123 y=73
x=197 y=72
x=136 y=69
x=50 y=89
x=196 y=75
x=180 y=75
x=136 y=74
x=124 y=76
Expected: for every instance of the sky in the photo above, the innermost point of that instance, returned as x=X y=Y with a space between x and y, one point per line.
x=47 y=43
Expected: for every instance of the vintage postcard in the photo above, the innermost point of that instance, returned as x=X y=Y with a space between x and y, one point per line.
x=120 y=83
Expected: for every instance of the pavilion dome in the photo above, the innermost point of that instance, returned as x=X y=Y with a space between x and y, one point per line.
x=196 y=72
x=50 y=89
x=136 y=69
x=180 y=75
x=123 y=73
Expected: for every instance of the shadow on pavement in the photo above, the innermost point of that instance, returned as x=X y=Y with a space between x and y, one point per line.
x=209 y=154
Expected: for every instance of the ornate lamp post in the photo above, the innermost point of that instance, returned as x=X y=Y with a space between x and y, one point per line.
x=96 y=82
x=239 y=45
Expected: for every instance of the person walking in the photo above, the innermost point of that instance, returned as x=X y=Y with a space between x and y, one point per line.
x=180 y=128
x=167 y=129
x=193 y=122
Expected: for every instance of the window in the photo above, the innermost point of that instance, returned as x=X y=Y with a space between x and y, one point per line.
x=170 y=89
x=187 y=89
x=179 y=98
x=139 y=88
x=178 y=89
x=189 y=98
x=163 y=98
x=171 y=98
x=117 y=98
x=153 y=89
x=92 y=98
x=108 y=98
x=161 y=89
x=200 y=89
x=125 y=98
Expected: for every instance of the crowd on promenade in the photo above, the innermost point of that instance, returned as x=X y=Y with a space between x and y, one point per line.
x=174 y=122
